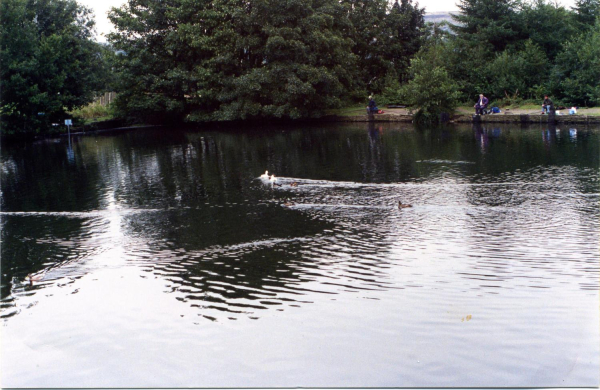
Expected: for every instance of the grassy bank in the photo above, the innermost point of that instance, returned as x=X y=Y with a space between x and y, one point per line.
x=349 y=111
x=531 y=109
x=93 y=112
x=516 y=109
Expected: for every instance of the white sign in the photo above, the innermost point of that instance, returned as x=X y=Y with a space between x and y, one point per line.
x=68 y=122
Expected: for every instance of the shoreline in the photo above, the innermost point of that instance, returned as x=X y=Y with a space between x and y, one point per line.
x=465 y=118
x=523 y=119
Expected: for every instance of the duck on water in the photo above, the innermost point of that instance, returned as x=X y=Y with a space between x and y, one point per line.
x=36 y=277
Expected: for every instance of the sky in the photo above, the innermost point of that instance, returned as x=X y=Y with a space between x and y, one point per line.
x=103 y=25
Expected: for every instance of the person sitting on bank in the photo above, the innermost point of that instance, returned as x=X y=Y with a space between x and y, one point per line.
x=481 y=105
x=372 y=107
x=546 y=105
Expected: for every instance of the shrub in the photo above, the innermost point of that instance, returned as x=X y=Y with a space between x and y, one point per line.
x=431 y=91
x=577 y=71
x=92 y=111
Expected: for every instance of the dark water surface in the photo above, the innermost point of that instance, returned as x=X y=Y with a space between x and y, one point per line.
x=167 y=262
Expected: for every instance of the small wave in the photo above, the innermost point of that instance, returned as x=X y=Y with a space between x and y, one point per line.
x=286 y=181
x=77 y=214
x=349 y=206
x=253 y=244
x=444 y=162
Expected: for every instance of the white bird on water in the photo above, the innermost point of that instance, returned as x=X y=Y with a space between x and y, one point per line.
x=265 y=175
x=273 y=179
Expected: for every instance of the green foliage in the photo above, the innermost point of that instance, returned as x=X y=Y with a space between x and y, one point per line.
x=368 y=30
x=431 y=91
x=391 y=94
x=577 y=71
x=384 y=39
x=517 y=72
x=166 y=55
x=547 y=25
x=50 y=64
x=290 y=60
x=93 y=111
x=488 y=21
x=586 y=13
x=224 y=60
x=514 y=50
x=406 y=25
x=199 y=60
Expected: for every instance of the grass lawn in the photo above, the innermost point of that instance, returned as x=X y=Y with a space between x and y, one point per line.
x=529 y=109
x=87 y=121
x=348 y=111
x=589 y=111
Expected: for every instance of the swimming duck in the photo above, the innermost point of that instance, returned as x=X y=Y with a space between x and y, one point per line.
x=294 y=184
x=403 y=206
x=273 y=179
x=265 y=175
x=35 y=277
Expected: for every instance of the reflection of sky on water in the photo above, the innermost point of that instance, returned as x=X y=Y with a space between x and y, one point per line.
x=184 y=251
x=573 y=134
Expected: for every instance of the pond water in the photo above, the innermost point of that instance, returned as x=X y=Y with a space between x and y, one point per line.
x=164 y=260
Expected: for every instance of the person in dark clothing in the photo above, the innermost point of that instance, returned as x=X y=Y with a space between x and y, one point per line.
x=482 y=104
x=372 y=107
x=546 y=105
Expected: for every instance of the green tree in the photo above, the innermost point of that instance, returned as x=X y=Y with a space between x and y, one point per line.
x=518 y=72
x=517 y=48
x=577 y=70
x=466 y=62
x=50 y=64
x=548 y=25
x=430 y=90
x=166 y=55
x=483 y=29
x=384 y=40
x=406 y=25
x=288 y=59
x=230 y=59
x=586 y=12
x=492 y=22
x=370 y=34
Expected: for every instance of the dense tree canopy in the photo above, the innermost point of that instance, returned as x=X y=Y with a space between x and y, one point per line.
x=577 y=72
x=486 y=22
x=548 y=26
x=586 y=13
x=430 y=89
x=384 y=40
x=289 y=59
x=166 y=54
x=50 y=63
x=201 y=60
x=234 y=59
x=513 y=49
